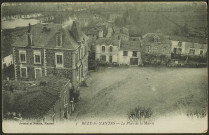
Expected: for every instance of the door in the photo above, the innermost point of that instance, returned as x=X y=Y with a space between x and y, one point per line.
x=133 y=61
x=174 y=50
x=38 y=73
x=110 y=59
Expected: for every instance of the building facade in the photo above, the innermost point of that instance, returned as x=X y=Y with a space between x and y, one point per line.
x=106 y=50
x=117 y=51
x=51 y=49
x=7 y=61
x=130 y=53
x=189 y=48
x=157 y=44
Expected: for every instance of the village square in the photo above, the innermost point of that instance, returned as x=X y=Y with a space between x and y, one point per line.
x=67 y=62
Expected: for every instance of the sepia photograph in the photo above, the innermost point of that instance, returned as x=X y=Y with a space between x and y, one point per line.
x=104 y=67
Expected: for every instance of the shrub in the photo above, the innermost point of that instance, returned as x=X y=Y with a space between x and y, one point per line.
x=139 y=113
x=199 y=113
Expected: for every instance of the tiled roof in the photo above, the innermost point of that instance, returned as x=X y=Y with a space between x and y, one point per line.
x=76 y=32
x=118 y=30
x=189 y=39
x=149 y=38
x=41 y=98
x=92 y=31
x=130 y=45
x=46 y=38
x=95 y=30
x=107 y=41
x=195 y=45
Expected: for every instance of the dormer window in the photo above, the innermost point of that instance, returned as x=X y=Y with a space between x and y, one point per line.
x=59 y=39
x=83 y=42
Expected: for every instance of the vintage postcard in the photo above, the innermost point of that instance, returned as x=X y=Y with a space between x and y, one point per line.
x=104 y=67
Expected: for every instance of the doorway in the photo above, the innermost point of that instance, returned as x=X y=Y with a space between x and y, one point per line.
x=133 y=61
x=110 y=59
x=38 y=73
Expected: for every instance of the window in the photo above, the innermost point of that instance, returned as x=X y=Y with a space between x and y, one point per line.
x=103 y=48
x=201 y=52
x=192 y=51
x=59 y=39
x=23 y=72
x=22 y=56
x=125 y=53
x=118 y=37
x=134 y=53
x=110 y=48
x=103 y=57
x=179 y=43
x=59 y=59
x=37 y=57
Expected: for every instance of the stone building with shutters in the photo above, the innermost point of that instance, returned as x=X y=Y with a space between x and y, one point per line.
x=46 y=49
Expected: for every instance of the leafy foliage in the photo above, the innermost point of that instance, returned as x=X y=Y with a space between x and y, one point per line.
x=139 y=113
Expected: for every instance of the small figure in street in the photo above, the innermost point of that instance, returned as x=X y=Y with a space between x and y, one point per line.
x=11 y=88
x=72 y=103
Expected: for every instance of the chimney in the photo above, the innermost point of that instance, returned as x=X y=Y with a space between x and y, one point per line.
x=29 y=35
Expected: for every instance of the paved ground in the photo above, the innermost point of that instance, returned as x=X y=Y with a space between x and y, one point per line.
x=114 y=92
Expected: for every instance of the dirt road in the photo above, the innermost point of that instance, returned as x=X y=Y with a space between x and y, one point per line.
x=114 y=92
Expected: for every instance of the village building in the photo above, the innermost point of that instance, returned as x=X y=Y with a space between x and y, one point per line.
x=7 y=61
x=188 y=47
x=47 y=49
x=118 y=51
x=157 y=44
x=106 y=50
x=130 y=53
x=54 y=99
x=134 y=37
x=96 y=32
x=156 y=48
x=120 y=33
